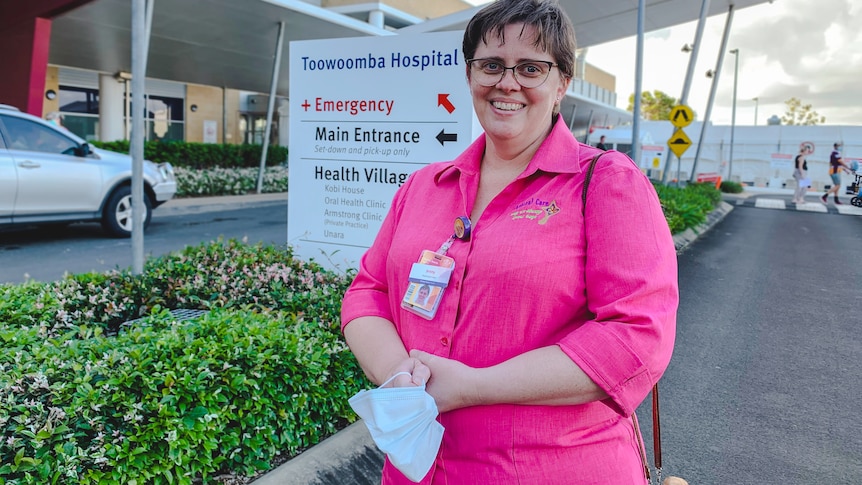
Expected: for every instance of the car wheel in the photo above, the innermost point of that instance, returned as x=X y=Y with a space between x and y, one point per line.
x=117 y=215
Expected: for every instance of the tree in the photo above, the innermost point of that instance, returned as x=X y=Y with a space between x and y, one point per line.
x=799 y=114
x=654 y=106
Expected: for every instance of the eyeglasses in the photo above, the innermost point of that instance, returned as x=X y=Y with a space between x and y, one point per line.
x=529 y=74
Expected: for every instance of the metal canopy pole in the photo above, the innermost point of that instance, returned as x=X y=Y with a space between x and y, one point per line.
x=141 y=13
x=148 y=28
x=639 y=63
x=686 y=86
x=716 y=75
x=572 y=119
x=276 y=66
x=756 y=101
x=735 y=53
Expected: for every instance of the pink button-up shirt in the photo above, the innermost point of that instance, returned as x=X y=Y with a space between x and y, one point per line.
x=535 y=272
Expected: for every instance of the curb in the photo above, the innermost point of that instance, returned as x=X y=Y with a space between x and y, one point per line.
x=199 y=205
x=350 y=456
x=684 y=239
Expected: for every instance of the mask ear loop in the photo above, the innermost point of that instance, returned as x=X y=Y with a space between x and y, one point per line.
x=402 y=373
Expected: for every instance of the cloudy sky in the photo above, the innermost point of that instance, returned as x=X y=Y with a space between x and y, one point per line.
x=808 y=49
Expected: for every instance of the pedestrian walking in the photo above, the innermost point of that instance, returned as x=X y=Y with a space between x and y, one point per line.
x=800 y=173
x=836 y=165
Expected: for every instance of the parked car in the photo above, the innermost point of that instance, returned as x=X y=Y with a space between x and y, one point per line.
x=49 y=175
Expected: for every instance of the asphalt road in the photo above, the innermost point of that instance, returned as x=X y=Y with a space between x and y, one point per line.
x=764 y=386
x=47 y=253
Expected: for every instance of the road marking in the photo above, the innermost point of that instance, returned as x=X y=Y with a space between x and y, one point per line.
x=769 y=203
x=812 y=207
x=849 y=210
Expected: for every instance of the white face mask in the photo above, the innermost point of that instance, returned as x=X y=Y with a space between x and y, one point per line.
x=402 y=421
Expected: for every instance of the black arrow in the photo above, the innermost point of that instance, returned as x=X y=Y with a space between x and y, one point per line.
x=680 y=112
x=441 y=137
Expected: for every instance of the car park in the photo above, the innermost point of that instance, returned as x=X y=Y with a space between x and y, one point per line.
x=48 y=175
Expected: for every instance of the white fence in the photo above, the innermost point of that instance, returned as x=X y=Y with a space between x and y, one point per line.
x=762 y=155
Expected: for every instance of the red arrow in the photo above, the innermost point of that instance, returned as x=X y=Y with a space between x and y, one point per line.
x=443 y=100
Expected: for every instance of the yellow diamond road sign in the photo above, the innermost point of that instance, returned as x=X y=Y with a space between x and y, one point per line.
x=679 y=142
x=681 y=116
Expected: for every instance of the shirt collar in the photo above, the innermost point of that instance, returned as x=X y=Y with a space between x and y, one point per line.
x=559 y=153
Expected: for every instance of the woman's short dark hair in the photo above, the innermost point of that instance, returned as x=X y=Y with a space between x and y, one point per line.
x=554 y=31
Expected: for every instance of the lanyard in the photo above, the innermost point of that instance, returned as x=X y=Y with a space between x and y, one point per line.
x=462 y=232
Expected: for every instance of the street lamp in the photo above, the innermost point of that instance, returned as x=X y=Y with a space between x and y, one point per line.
x=735 y=53
x=756 y=102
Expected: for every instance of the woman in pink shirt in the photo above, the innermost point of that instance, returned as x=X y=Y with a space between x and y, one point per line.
x=558 y=318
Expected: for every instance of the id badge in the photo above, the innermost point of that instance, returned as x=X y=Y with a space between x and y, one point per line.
x=429 y=277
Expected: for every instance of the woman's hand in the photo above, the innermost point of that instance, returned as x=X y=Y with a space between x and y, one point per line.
x=419 y=373
x=450 y=381
x=545 y=376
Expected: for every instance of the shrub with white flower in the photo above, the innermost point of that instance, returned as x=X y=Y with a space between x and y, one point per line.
x=101 y=383
x=228 y=181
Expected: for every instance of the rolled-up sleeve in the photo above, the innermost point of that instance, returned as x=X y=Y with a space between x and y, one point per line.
x=631 y=288
x=368 y=295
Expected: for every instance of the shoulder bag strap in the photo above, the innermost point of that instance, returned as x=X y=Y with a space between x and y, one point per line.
x=587 y=178
x=655 y=409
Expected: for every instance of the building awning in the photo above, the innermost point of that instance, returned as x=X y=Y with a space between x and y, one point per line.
x=600 y=21
x=225 y=43
x=230 y=43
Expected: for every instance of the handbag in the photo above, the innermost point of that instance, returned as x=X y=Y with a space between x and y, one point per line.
x=656 y=424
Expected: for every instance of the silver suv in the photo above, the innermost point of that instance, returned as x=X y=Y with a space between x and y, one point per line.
x=49 y=175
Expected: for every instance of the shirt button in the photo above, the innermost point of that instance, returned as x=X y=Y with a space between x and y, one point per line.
x=444 y=341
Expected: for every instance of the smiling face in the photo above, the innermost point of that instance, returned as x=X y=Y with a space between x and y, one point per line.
x=424 y=291
x=509 y=113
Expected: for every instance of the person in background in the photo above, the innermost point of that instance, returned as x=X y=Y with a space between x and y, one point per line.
x=836 y=165
x=601 y=144
x=800 y=173
x=558 y=318
x=55 y=118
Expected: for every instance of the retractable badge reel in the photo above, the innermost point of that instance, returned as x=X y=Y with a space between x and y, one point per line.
x=430 y=276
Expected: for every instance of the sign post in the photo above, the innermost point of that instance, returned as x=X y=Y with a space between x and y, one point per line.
x=679 y=142
x=680 y=117
x=364 y=114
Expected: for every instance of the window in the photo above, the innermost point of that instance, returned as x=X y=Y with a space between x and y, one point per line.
x=79 y=100
x=253 y=128
x=80 y=109
x=165 y=118
x=624 y=148
x=29 y=136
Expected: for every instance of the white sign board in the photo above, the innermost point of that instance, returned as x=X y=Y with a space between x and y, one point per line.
x=364 y=114
x=781 y=160
x=652 y=157
x=210 y=131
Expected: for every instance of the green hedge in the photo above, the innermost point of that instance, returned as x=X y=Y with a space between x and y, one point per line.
x=687 y=207
x=203 y=155
x=731 y=187
x=87 y=397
